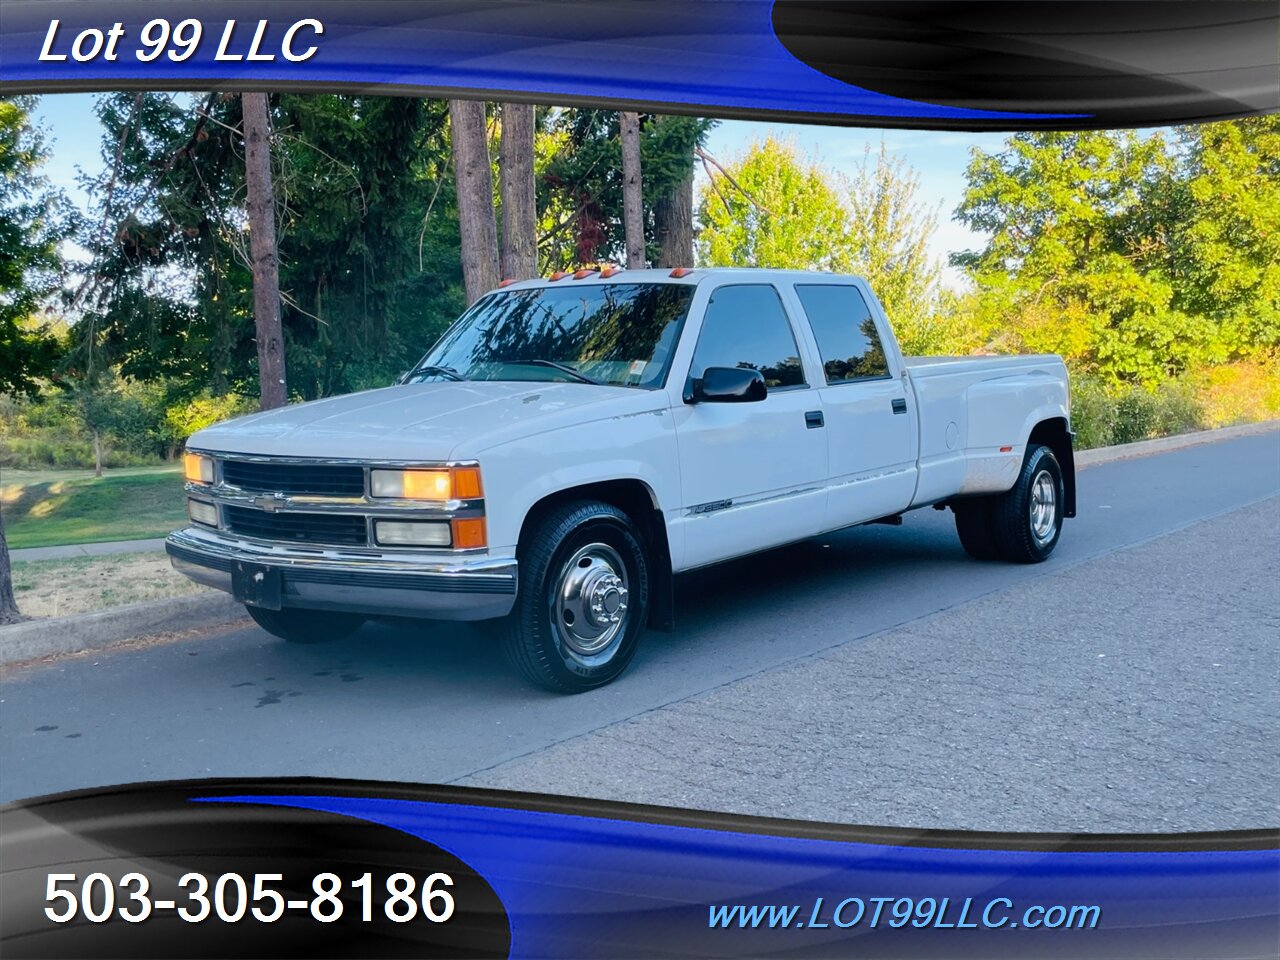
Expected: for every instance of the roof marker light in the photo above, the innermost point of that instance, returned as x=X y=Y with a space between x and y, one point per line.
x=610 y=271
x=558 y=275
x=583 y=273
x=507 y=283
x=679 y=272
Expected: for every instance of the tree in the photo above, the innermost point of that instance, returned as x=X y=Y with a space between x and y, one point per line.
x=1087 y=255
x=632 y=190
x=670 y=147
x=887 y=243
x=9 y=612
x=1220 y=214
x=167 y=285
x=475 y=197
x=34 y=219
x=262 y=244
x=368 y=253
x=519 y=256
x=772 y=209
x=582 y=187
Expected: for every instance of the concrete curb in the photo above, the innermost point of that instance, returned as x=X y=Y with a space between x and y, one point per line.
x=1145 y=448
x=34 y=639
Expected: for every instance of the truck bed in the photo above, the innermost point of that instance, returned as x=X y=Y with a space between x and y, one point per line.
x=971 y=409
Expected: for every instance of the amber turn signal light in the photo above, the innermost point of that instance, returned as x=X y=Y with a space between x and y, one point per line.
x=469 y=534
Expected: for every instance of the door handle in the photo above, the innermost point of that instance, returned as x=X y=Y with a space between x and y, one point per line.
x=813 y=419
x=899 y=406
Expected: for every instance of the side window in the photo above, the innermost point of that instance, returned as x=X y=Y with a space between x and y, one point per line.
x=846 y=333
x=746 y=326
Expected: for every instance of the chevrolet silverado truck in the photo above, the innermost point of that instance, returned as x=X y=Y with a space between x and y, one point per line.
x=572 y=444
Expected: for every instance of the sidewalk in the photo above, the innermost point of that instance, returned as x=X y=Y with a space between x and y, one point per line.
x=87 y=550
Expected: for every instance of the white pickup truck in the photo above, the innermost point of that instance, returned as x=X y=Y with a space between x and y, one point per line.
x=571 y=444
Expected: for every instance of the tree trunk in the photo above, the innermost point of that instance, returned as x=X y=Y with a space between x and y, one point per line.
x=673 y=218
x=262 y=250
x=632 y=202
x=515 y=183
x=479 y=232
x=9 y=612
x=97 y=454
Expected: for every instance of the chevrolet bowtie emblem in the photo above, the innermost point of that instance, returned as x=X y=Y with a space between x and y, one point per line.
x=270 y=503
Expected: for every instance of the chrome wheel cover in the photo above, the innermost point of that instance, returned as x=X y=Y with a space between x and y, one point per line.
x=1044 y=507
x=590 y=601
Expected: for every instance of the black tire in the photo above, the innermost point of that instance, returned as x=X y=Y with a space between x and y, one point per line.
x=975 y=526
x=542 y=637
x=306 y=626
x=1014 y=526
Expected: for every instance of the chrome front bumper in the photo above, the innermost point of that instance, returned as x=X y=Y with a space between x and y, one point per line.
x=400 y=585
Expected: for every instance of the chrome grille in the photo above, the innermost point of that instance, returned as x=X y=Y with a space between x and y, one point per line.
x=295 y=479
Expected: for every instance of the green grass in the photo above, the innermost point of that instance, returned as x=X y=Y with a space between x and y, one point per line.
x=48 y=508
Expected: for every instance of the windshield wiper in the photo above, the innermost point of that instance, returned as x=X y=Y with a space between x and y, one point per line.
x=447 y=372
x=562 y=367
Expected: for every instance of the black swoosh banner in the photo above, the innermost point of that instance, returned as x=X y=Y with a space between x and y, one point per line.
x=1004 y=65
x=538 y=876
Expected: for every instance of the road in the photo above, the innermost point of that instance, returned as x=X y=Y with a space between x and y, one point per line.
x=873 y=676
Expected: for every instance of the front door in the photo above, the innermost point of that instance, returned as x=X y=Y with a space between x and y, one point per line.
x=752 y=474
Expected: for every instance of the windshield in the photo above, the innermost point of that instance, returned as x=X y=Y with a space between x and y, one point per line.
x=621 y=334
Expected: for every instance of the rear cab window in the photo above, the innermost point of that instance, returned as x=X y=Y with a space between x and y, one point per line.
x=848 y=340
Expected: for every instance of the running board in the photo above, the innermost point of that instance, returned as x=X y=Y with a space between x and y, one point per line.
x=893 y=521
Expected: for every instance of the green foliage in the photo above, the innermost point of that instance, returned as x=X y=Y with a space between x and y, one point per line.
x=183 y=419
x=368 y=248
x=783 y=213
x=1134 y=257
x=1104 y=414
x=888 y=243
x=139 y=423
x=578 y=170
x=1243 y=392
x=34 y=219
x=775 y=209
x=368 y=276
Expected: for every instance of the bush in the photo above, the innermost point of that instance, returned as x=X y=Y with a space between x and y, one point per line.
x=1233 y=393
x=1102 y=415
x=183 y=419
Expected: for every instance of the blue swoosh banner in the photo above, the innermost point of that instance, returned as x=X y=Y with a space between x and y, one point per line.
x=984 y=65
x=537 y=876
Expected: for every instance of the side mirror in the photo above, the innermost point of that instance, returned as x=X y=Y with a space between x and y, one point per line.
x=726 y=385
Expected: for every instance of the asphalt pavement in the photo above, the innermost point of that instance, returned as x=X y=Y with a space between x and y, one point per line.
x=874 y=676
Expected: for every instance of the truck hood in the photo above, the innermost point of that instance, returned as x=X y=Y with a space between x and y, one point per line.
x=423 y=421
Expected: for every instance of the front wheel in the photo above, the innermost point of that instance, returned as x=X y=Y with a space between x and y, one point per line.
x=583 y=599
x=305 y=626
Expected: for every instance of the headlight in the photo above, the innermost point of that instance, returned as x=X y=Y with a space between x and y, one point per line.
x=456 y=483
x=196 y=468
x=201 y=512
x=412 y=533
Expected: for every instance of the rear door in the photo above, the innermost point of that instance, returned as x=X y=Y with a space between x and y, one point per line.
x=752 y=474
x=871 y=426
